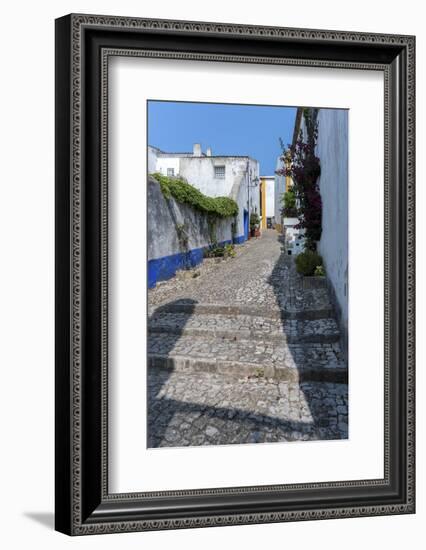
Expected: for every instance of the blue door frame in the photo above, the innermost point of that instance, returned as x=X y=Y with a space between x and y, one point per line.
x=246 y=224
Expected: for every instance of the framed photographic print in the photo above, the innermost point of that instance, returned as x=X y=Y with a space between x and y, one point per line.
x=234 y=274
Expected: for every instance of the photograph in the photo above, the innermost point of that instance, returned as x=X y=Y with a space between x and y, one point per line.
x=210 y=300
x=247 y=274
x=234 y=260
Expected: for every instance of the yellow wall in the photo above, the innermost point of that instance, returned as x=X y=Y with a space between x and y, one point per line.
x=288 y=184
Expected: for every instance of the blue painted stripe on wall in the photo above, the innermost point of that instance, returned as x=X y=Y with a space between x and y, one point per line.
x=161 y=269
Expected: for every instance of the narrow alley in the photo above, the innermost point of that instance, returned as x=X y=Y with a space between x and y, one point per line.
x=240 y=352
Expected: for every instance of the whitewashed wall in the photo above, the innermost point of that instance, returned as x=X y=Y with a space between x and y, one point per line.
x=164 y=163
x=152 y=159
x=200 y=172
x=163 y=217
x=332 y=149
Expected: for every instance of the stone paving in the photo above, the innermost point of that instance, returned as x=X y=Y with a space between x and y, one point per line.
x=209 y=409
x=260 y=275
x=244 y=326
x=239 y=351
x=232 y=357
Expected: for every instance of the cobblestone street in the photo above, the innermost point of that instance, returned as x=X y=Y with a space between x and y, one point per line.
x=240 y=352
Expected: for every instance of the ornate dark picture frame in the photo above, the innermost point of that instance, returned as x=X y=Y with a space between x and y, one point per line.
x=83 y=45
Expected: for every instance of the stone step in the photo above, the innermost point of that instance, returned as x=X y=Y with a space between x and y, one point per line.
x=239 y=327
x=210 y=409
x=268 y=312
x=283 y=362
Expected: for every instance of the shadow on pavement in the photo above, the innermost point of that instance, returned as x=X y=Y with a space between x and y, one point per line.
x=323 y=412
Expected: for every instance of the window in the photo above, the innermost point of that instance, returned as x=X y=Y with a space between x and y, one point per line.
x=170 y=172
x=219 y=172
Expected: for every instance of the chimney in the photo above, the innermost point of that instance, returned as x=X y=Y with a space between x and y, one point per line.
x=196 y=152
x=209 y=152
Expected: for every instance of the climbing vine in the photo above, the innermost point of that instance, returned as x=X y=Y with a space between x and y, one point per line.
x=182 y=235
x=211 y=225
x=303 y=166
x=183 y=192
x=234 y=229
x=183 y=238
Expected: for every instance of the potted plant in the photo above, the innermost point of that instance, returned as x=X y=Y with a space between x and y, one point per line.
x=289 y=208
x=254 y=223
x=310 y=264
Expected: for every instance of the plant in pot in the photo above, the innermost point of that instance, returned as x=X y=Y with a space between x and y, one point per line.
x=254 y=223
x=309 y=263
x=289 y=208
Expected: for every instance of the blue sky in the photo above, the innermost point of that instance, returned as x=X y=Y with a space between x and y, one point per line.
x=228 y=129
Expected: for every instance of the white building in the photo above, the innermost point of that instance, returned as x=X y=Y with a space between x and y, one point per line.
x=267 y=201
x=332 y=150
x=236 y=177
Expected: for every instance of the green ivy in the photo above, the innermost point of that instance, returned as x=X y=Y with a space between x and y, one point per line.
x=183 y=192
